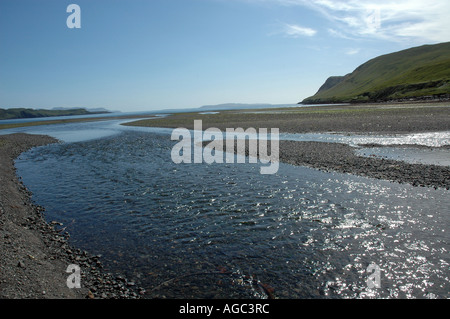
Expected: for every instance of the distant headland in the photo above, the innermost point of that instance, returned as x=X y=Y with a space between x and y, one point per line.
x=24 y=113
x=420 y=73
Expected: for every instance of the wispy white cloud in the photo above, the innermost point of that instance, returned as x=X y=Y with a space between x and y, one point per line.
x=353 y=51
x=295 y=31
x=339 y=34
x=396 y=20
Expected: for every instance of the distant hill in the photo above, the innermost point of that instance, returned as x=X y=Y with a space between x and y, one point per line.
x=241 y=106
x=412 y=73
x=22 y=113
x=94 y=110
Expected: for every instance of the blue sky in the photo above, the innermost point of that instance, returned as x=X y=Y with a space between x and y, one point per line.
x=137 y=55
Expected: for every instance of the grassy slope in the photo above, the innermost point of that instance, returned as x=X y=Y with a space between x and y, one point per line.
x=414 y=72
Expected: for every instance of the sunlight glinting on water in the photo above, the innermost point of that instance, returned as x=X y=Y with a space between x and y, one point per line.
x=301 y=232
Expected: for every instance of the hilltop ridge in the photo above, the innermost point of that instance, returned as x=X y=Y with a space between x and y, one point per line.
x=413 y=73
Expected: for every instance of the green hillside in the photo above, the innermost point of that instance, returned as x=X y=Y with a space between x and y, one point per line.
x=412 y=73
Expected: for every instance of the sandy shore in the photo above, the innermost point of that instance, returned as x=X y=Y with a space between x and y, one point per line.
x=34 y=254
x=367 y=119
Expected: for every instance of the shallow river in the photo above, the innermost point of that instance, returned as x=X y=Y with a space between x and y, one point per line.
x=226 y=231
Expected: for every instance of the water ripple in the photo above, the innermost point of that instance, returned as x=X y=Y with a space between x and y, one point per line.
x=225 y=231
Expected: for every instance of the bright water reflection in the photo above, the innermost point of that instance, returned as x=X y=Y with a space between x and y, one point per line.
x=431 y=139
